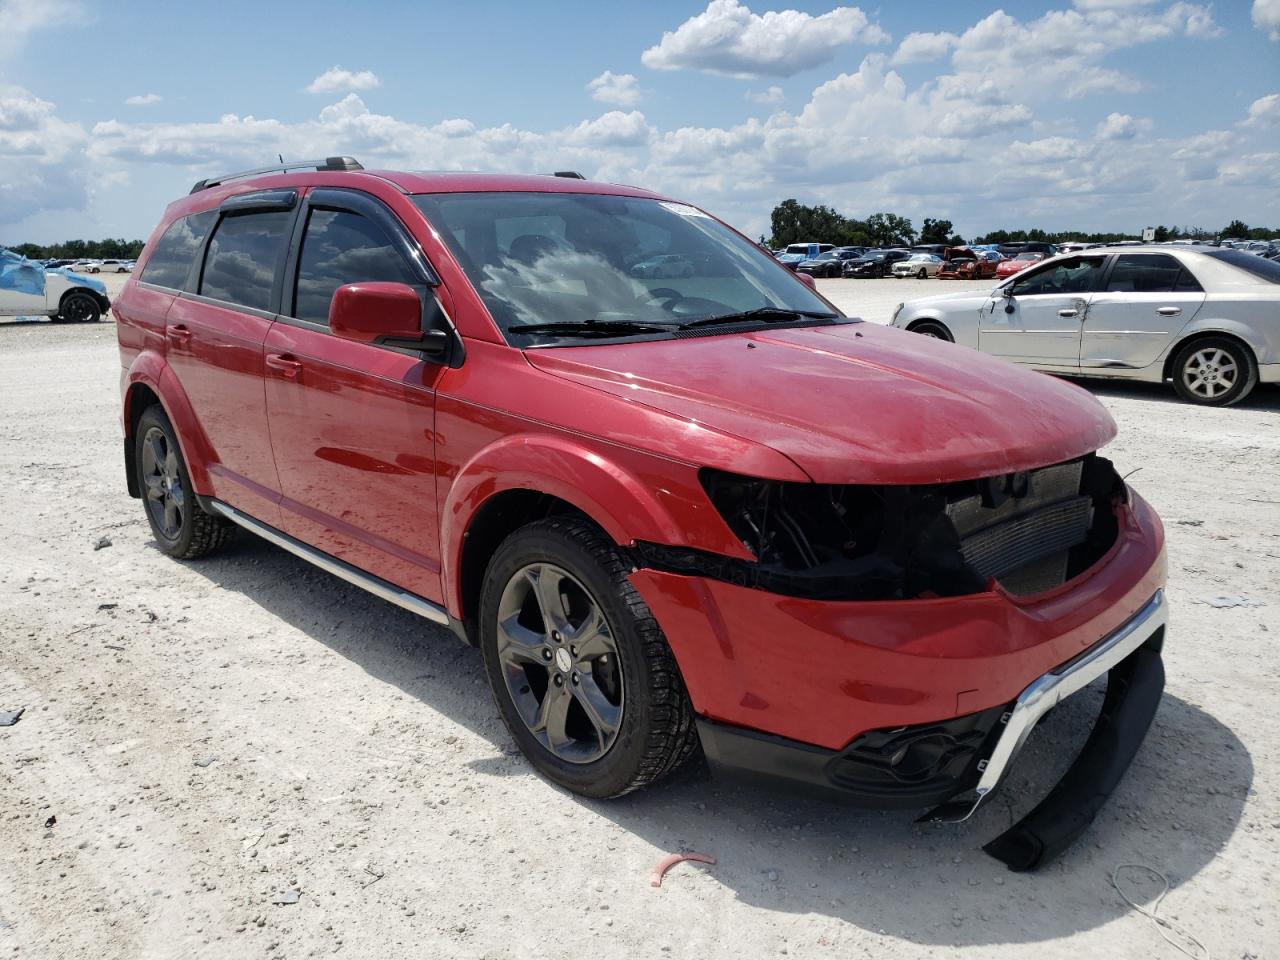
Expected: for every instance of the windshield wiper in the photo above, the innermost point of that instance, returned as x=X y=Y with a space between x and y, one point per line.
x=590 y=328
x=763 y=314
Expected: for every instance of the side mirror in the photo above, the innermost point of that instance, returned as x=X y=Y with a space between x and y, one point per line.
x=376 y=313
x=807 y=280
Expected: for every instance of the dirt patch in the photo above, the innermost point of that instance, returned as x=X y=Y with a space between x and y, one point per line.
x=245 y=754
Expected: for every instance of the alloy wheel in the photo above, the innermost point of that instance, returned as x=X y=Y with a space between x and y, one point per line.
x=1210 y=372
x=78 y=309
x=560 y=663
x=166 y=500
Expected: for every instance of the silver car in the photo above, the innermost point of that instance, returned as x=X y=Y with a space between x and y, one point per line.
x=1206 y=319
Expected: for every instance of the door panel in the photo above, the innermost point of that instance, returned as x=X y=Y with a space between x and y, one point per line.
x=1132 y=329
x=216 y=354
x=1148 y=298
x=352 y=426
x=1042 y=328
x=1042 y=319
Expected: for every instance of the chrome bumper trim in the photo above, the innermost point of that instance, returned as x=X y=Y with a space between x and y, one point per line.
x=1050 y=690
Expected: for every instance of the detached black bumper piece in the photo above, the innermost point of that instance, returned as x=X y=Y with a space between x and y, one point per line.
x=913 y=767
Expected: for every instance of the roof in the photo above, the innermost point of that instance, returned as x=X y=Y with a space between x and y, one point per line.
x=464 y=182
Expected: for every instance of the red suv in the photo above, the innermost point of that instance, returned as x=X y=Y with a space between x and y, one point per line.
x=699 y=509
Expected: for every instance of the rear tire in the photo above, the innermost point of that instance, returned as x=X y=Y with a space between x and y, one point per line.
x=1214 y=372
x=580 y=670
x=922 y=274
x=934 y=329
x=180 y=525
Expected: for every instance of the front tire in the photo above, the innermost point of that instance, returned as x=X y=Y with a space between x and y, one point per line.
x=1214 y=372
x=79 y=307
x=931 y=328
x=180 y=525
x=580 y=670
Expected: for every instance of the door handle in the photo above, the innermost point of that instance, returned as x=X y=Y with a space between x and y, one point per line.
x=1169 y=311
x=1068 y=313
x=288 y=366
x=178 y=333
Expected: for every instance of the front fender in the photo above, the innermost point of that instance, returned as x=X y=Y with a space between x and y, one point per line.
x=149 y=369
x=613 y=492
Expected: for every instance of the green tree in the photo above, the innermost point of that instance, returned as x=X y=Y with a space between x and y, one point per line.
x=1161 y=234
x=935 y=231
x=1236 y=229
x=890 y=230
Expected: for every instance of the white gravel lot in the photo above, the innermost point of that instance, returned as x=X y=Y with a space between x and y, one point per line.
x=211 y=735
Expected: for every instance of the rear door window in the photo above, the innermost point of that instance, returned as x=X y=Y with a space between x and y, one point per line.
x=170 y=262
x=341 y=247
x=1149 y=273
x=243 y=257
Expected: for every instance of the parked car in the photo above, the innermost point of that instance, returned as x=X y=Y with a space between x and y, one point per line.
x=792 y=260
x=632 y=494
x=918 y=265
x=874 y=263
x=963 y=263
x=1201 y=317
x=666 y=265
x=28 y=288
x=809 y=249
x=937 y=249
x=1007 y=268
x=829 y=264
x=114 y=266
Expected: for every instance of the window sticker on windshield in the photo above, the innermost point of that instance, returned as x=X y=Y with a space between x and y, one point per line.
x=684 y=209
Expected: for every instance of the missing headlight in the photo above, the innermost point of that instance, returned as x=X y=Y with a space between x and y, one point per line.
x=1030 y=531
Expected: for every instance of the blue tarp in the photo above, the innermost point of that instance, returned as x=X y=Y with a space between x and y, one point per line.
x=20 y=274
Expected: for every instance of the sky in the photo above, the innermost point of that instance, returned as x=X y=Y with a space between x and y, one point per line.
x=1076 y=114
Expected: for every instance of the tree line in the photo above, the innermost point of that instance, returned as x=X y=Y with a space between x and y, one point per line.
x=109 y=249
x=795 y=222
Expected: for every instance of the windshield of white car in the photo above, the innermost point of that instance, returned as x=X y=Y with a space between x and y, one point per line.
x=549 y=266
x=1260 y=267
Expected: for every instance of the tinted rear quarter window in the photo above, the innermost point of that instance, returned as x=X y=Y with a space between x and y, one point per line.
x=341 y=248
x=241 y=264
x=1260 y=267
x=170 y=262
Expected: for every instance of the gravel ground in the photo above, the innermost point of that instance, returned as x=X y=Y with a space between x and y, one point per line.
x=204 y=739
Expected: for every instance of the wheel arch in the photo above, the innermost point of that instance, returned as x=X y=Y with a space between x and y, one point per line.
x=519 y=479
x=148 y=381
x=1189 y=336
x=918 y=321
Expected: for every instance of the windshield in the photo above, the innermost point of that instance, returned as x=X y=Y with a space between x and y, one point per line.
x=589 y=259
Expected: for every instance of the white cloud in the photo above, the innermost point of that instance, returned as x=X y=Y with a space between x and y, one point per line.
x=728 y=39
x=766 y=98
x=41 y=165
x=924 y=47
x=1264 y=112
x=1266 y=16
x=20 y=18
x=620 y=89
x=336 y=79
x=143 y=99
x=1120 y=126
x=613 y=129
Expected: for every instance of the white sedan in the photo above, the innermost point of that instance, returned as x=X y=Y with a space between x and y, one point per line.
x=1206 y=319
x=918 y=265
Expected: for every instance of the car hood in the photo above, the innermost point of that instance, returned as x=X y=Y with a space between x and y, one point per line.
x=852 y=403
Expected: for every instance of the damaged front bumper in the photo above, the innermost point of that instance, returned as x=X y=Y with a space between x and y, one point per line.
x=934 y=763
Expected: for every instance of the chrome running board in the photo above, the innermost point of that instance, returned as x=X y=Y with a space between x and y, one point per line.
x=339 y=568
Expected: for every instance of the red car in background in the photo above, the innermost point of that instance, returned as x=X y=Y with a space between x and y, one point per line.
x=641 y=497
x=1007 y=268
x=963 y=263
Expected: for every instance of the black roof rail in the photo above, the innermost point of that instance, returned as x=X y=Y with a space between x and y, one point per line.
x=328 y=163
x=567 y=174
